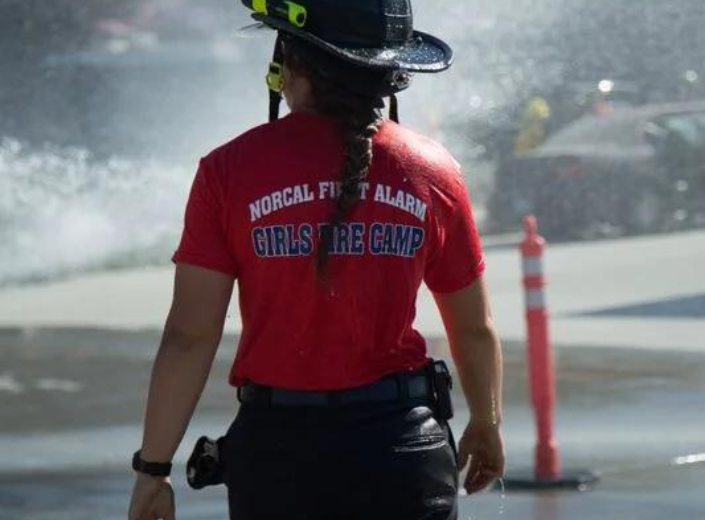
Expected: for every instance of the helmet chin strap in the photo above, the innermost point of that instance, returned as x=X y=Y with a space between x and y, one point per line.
x=393 y=108
x=275 y=80
x=275 y=100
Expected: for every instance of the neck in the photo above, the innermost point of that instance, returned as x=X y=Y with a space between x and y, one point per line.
x=303 y=107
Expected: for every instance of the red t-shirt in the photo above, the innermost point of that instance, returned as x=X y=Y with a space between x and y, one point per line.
x=255 y=213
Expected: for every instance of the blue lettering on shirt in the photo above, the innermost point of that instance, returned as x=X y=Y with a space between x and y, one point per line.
x=259 y=242
x=306 y=238
x=282 y=241
x=345 y=239
x=357 y=244
x=395 y=240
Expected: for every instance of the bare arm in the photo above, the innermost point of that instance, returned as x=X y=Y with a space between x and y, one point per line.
x=475 y=348
x=477 y=355
x=191 y=336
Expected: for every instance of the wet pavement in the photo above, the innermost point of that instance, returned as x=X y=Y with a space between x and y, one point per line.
x=633 y=416
x=673 y=495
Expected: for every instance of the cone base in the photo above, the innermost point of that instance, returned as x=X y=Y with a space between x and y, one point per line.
x=569 y=480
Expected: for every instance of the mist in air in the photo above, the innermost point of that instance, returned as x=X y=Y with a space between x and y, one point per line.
x=105 y=107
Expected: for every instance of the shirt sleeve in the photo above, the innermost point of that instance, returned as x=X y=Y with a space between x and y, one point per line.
x=456 y=258
x=204 y=239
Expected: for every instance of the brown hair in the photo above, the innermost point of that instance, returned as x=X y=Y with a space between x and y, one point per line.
x=358 y=119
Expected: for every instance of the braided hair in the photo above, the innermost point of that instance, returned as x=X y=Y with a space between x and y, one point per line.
x=358 y=118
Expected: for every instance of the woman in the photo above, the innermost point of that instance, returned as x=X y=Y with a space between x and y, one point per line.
x=329 y=219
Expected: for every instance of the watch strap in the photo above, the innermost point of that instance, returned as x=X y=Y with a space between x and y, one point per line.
x=155 y=469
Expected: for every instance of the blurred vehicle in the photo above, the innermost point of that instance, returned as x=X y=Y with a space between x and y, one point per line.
x=569 y=101
x=631 y=170
x=530 y=119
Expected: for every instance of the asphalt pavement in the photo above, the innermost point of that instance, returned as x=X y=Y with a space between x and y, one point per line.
x=632 y=416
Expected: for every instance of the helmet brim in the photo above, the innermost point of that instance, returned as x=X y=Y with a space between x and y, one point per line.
x=423 y=53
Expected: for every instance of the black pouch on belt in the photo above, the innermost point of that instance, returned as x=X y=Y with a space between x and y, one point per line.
x=441 y=384
x=204 y=467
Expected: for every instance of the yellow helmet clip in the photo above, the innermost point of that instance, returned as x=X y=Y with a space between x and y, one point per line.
x=295 y=13
x=275 y=77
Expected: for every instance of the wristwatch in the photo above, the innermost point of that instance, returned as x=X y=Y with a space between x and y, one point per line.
x=155 y=469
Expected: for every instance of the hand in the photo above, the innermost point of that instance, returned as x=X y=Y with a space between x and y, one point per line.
x=152 y=499
x=482 y=444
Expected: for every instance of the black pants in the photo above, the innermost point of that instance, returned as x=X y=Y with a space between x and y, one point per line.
x=362 y=462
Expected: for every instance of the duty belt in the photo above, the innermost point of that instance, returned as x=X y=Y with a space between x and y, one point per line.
x=398 y=387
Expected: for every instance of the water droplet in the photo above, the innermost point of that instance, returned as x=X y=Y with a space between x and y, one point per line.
x=502 y=496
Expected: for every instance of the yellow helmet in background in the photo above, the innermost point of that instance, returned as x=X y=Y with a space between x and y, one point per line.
x=537 y=109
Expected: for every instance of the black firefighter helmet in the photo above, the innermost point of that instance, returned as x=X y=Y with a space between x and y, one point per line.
x=369 y=46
